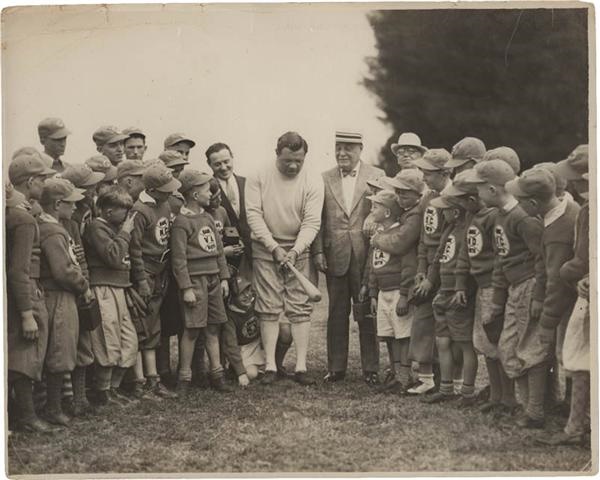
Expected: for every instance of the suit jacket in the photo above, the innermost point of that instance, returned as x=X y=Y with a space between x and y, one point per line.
x=341 y=230
x=241 y=222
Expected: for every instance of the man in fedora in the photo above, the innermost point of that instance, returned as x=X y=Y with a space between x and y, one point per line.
x=408 y=149
x=340 y=251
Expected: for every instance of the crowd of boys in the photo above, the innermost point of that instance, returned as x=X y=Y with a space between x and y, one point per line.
x=467 y=257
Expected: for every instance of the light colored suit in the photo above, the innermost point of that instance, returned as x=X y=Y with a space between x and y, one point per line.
x=345 y=247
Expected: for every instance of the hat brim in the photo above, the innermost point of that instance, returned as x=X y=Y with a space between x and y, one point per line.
x=457 y=162
x=374 y=183
x=395 y=146
x=75 y=196
x=512 y=187
x=121 y=137
x=565 y=170
x=424 y=165
x=110 y=174
x=182 y=140
x=95 y=178
x=62 y=133
x=473 y=177
x=176 y=163
x=440 y=202
x=169 y=187
x=452 y=191
x=46 y=172
x=400 y=185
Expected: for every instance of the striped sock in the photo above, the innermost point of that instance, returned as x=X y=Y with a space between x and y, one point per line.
x=458 y=383
x=446 y=388
x=467 y=391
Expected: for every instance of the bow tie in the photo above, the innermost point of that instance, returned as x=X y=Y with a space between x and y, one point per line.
x=351 y=173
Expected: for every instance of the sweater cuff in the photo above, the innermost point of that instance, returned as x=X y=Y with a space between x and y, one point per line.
x=460 y=283
x=499 y=297
x=373 y=292
x=422 y=266
x=539 y=291
x=124 y=235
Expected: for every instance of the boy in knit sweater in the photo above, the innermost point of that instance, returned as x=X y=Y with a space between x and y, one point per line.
x=149 y=249
x=106 y=242
x=536 y=191
x=26 y=313
x=201 y=273
x=519 y=284
x=391 y=276
x=63 y=280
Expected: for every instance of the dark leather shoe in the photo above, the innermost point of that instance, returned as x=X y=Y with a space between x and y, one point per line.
x=333 y=377
x=437 y=397
x=37 y=425
x=371 y=378
x=57 y=418
x=562 y=438
x=269 y=377
x=527 y=422
x=219 y=384
x=303 y=379
x=282 y=373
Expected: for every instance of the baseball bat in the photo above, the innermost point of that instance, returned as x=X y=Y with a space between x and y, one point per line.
x=313 y=292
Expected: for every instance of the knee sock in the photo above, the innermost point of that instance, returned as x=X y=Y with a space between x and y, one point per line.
x=187 y=347
x=301 y=334
x=138 y=369
x=67 y=386
x=213 y=349
x=493 y=368
x=163 y=356
x=508 y=388
x=24 y=397
x=103 y=378
x=149 y=359
x=78 y=379
x=117 y=377
x=269 y=331
x=54 y=384
x=470 y=364
x=579 y=414
x=536 y=379
x=198 y=362
x=281 y=349
x=446 y=387
x=446 y=357
x=523 y=389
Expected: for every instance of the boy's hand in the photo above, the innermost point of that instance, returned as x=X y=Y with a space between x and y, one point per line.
x=29 y=325
x=535 y=310
x=424 y=288
x=583 y=288
x=419 y=277
x=189 y=296
x=373 y=306
x=363 y=294
x=402 y=306
x=233 y=250
x=370 y=229
x=459 y=299
x=127 y=226
x=88 y=296
x=243 y=380
x=225 y=288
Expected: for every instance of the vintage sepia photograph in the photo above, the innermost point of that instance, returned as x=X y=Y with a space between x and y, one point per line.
x=311 y=239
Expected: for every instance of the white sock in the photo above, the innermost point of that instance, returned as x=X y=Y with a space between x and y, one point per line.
x=300 y=334
x=458 y=383
x=269 y=331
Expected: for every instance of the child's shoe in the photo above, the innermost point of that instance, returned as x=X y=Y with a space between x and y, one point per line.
x=490 y=407
x=37 y=425
x=183 y=388
x=200 y=380
x=425 y=385
x=467 y=402
x=562 y=438
x=57 y=418
x=153 y=384
x=269 y=377
x=126 y=400
x=303 y=379
x=527 y=422
x=438 y=397
x=218 y=383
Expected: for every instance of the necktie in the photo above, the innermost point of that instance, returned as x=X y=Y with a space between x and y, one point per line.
x=230 y=192
x=351 y=173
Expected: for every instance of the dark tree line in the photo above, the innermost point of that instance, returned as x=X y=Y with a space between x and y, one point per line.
x=510 y=77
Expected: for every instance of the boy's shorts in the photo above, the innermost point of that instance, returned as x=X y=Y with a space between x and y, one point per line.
x=278 y=292
x=63 y=331
x=158 y=283
x=114 y=341
x=451 y=321
x=209 y=308
x=389 y=324
x=483 y=316
x=170 y=310
x=422 y=334
x=253 y=354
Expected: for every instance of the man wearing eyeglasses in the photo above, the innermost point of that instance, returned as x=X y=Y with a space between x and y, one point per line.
x=408 y=149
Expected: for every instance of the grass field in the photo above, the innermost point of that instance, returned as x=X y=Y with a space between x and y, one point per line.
x=288 y=428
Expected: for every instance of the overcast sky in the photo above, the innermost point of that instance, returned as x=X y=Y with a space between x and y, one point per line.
x=233 y=73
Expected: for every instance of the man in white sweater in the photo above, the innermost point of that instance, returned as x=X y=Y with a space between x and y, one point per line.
x=283 y=204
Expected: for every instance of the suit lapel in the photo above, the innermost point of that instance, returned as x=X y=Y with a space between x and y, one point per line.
x=359 y=187
x=336 y=189
x=241 y=181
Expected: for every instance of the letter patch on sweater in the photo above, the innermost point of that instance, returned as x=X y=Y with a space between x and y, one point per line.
x=502 y=243
x=430 y=220
x=380 y=258
x=161 y=231
x=219 y=225
x=86 y=219
x=206 y=239
x=474 y=241
x=72 y=253
x=250 y=328
x=449 y=249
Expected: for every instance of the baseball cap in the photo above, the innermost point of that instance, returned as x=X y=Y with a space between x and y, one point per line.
x=408 y=139
x=535 y=182
x=130 y=167
x=52 y=128
x=192 y=178
x=459 y=186
x=433 y=159
x=176 y=138
x=24 y=166
x=444 y=201
x=381 y=183
x=408 y=179
x=56 y=188
x=469 y=148
x=159 y=177
x=387 y=198
x=12 y=197
x=575 y=165
x=495 y=172
x=348 y=137
x=241 y=284
x=506 y=154
x=100 y=163
x=108 y=134
x=81 y=176
x=171 y=158
x=134 y=132
x=25 y=151
x=561 y=182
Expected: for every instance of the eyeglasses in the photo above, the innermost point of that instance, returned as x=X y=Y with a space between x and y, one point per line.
x=409 y=150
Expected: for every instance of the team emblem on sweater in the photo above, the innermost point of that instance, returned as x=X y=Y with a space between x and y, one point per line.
x=474 y=241
x=430 y=220
x=206 y=239
x=72 y=253
x=219 y=225
x=86 y=219
x=380 y=258
x=449 y=249
x=161 y=231
x=250 y=328
x=501 y=240
x=126 y=260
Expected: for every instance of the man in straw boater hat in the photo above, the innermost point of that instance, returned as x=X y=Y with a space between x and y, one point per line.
x=408 y=149
x=341 y=251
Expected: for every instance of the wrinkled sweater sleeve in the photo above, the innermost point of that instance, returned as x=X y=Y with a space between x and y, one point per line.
x=179 y=241
x=138 y=272
x=111 y=249
x=531 y=230
x=400 y=241
x=255 y=214
x=576 y=268
x=311 y=215
x=463 y=264
x=64 y=272
x=18 y=265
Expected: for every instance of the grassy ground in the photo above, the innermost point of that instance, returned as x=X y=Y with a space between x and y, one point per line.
x=288 y=428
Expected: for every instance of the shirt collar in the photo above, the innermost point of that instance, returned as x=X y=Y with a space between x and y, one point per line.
x=145 y=198
x=355 y=169
x=46 y=217
x=556 y=212
x=508 y=206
